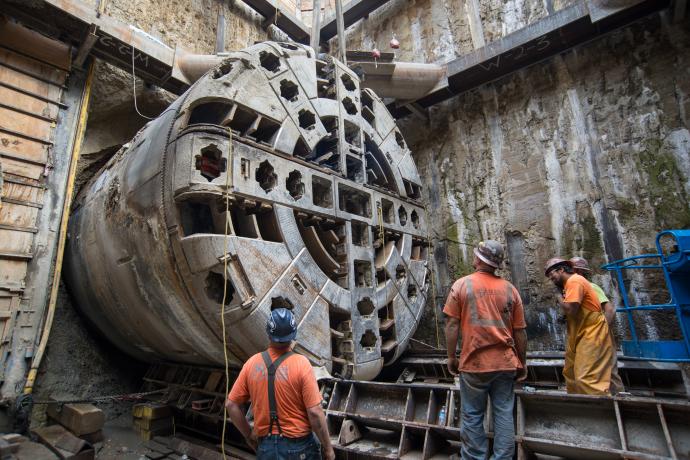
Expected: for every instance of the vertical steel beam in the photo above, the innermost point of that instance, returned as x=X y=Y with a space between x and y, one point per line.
x=220 y=29
x=316 y=25
x=341 y=31
x=667 y=432
x=475 y=21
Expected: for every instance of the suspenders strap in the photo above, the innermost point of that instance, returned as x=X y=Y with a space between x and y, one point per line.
x=272 y=367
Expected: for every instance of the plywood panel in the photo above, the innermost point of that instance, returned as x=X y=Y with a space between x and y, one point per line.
x=28 y=103
x=44 y=71
x=25 y=124
x=14 y=242
x=18 y=215
x=20 y=168
x=21 y=192
x=12 y=273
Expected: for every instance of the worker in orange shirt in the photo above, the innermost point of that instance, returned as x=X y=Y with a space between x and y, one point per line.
x=581 y=267
x=489 y=312
x=589 y=349
x=285 y=399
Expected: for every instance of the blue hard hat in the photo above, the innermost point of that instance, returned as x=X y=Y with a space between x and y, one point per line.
x=281 y=326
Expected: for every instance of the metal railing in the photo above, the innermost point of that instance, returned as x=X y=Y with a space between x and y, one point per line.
x=675 y=266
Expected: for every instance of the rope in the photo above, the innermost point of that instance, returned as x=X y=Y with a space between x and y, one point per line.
x=382 y=235
x=134 y=89
x=431 y=274
x=225 y=287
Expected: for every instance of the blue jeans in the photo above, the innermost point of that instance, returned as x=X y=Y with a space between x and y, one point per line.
x=474 y=388
x=276 y=447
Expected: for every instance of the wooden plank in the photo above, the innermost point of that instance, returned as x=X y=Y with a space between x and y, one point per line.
x=19 y=157
x=24 y=136
x=22 y=203
x=19 y=90
x=18 y=215
x=14 y=179
x=16 y=256
x=21 y=192
x=15 y=242
x=30 y=43
x=18 y=148
x=33 y=67
x=12 y=274
x=18 y=228
x=21 y=81
x=21 y=168
x=25 y=124
x=28 y=103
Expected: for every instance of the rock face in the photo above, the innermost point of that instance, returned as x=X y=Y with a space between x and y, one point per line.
x=189 y=24
x=585 y=154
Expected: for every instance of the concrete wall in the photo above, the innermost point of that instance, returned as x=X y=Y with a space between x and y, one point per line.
x=585 y=154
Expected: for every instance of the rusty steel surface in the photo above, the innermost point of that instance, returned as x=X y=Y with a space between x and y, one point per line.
x=545 y=371
x=421 y=420
x=323 y=216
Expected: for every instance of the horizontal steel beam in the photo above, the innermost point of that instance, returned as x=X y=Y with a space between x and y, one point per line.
x=284 y=20
x=116 y=42
x=353 y=12
x=122 y=44
x=391 y=420
x=376 y=420
x=601 y=427
x=545 y=370
x=554 y=34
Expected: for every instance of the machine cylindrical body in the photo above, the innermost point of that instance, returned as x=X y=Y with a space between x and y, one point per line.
x=274 y=181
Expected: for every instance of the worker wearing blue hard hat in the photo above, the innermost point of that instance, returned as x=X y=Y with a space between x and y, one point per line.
x=285 y=398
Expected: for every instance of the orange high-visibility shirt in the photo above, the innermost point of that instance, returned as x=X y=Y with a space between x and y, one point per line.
x=490 y=310
x=295 y=387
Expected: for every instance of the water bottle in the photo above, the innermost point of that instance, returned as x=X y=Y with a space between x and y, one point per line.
x=442 y=416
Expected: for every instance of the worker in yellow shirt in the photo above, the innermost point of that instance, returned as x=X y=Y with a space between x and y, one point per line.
x=581 y=267
x=589 y=350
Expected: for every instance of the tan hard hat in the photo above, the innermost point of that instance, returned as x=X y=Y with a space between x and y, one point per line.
x=580 y=263
x=553 y=263
x=490 y=252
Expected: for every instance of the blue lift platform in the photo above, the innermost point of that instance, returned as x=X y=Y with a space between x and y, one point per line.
x=673 y=258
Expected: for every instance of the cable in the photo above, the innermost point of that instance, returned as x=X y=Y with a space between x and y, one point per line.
x=431 y=274
x=127 y=397
x=83 y=114
x=383 y=253
x=134 y=89
x=225 y=287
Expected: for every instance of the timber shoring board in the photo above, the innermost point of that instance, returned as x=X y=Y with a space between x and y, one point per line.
x=33 y=78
